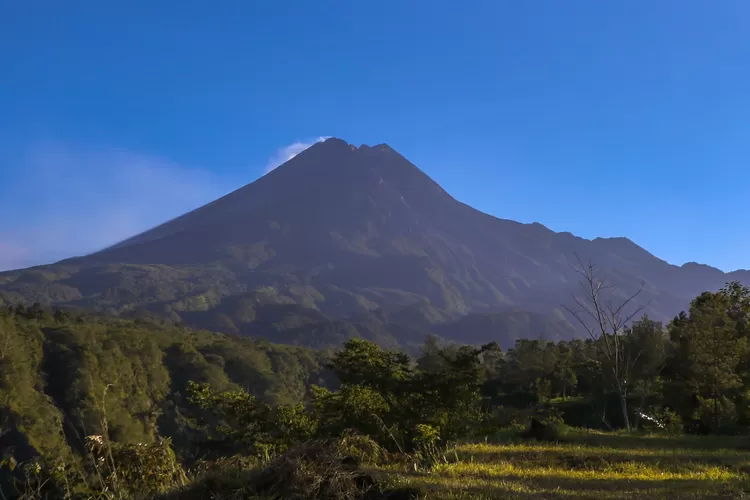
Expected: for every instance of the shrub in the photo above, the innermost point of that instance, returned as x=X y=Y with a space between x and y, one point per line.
x=314 y=470
x=716 y=415
x=657 y=419
x=429 y=449
x=551 y=431
x=135 y=470
x=363 y=448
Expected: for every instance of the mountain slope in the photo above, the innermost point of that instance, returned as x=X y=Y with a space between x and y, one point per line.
x=341 y=232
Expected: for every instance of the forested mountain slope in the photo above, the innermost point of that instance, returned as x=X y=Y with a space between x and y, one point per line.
x=63 y=374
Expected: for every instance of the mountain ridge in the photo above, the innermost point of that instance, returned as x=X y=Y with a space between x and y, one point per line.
x=347 y=231
x=385 y=146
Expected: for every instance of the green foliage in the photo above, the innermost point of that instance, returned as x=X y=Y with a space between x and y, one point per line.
x=63 y=374
x=283 y=307
x=364 y=363
x=709 y=370
x=159 y=397
x=662 y=420
x=354 y=408
x=134 y=470
x=383 y=396
x=237 y=422
x=428 y=446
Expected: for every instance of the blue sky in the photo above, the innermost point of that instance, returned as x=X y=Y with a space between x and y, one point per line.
x=599 y=118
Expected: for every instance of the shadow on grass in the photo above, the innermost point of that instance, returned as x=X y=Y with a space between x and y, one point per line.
x=597 y=459
x=634 y=441
x=500 y=491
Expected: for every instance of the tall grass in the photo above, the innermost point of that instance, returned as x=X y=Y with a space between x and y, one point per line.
x=589 y=465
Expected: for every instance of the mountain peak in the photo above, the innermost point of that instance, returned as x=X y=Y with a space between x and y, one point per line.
x=343 y=230
x=334 y=141
x=341 y=143
x=337 y=163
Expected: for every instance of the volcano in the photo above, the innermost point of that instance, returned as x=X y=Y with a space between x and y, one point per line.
x=361 y=239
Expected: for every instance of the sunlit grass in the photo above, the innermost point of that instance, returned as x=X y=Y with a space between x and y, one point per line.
x=589 y=465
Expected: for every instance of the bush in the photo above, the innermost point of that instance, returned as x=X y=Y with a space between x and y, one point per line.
x=137 y=470
x=314 y=470
x=716 y=415
x=311 y=471
x=656 y=419
x=429 y=449
x=551 y=431
x=508 y=417
x=550 y=415
x=363 y=448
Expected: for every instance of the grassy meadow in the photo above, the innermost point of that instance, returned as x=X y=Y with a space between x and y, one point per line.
x=588 y=464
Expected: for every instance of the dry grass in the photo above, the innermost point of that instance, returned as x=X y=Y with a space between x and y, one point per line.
x=588 y=465
x=316 y=470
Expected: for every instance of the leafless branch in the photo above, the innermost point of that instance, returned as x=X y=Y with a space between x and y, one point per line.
x=609 y=322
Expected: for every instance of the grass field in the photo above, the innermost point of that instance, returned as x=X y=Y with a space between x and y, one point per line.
x=590 y=465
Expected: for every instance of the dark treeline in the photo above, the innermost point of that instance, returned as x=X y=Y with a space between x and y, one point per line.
x=65 y=376
x=691 y=375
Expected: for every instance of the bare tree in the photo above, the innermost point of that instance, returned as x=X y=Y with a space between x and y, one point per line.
x=606 y=323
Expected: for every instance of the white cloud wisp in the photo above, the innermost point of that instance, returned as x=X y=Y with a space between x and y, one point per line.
x=286 y=153
x=63 y=200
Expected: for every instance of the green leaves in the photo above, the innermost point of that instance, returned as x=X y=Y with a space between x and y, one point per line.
x=362 y=362
x=64 y=375
x=383 y=395
x=710 y=363
x=242 y=424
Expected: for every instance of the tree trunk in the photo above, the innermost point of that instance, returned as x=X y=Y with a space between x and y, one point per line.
x=624 y=408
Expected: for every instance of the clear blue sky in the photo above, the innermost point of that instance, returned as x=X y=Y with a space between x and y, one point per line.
x=599 y=118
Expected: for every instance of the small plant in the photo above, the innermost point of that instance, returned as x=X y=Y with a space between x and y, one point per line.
x=35 y=479
x=550 y=415
x=429 y=449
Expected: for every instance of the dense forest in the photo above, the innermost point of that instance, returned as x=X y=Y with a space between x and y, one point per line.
x=60 y=372
x=72 y=383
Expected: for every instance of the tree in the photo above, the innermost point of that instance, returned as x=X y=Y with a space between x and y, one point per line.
x=649 y=347
x=712 y=351
x=431 y=359
x=382 y=396
x=362 y=362
x=564 y=376
x=449 y=399
x=605 y=320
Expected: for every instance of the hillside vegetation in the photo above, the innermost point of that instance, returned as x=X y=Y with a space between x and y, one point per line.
x=62 y=372
x=97 y=407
